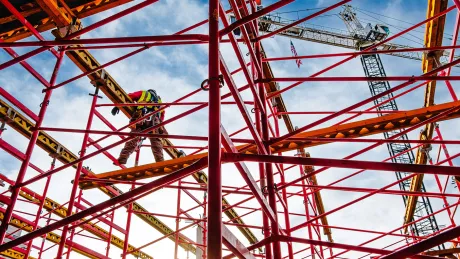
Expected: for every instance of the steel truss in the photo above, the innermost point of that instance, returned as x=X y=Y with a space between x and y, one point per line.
x=266 y=146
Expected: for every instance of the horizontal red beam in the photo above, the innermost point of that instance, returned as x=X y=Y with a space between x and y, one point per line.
x=369 y=190
x=344 y=246
x=51 y=43
x=424 y=245
x=280 y=30
x=358 y=79
x=143 y=45
x=366 y=140
x=164 y=104
x=343 y=163
x=342 y=54
x=18 y=104
x=332 y=112
x=169 y=136
x=253 y=16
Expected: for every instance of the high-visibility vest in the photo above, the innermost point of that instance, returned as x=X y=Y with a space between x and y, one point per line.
x=147 y=97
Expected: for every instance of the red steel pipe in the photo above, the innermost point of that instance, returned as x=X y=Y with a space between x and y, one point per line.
x=331 y=112
x=345 y=246
x=214 y=242
x=176 y=237
x=28 y=67
x=342 y=54
x=244 y=30
x=39 y=210
x=280 y=30
x=359 y=79
x=34 y=179
x=242 y=62
x=131 y=134
x=432 y=119
x=386 y=101
x=22 y=171
x=138 y=45
x=122 y=198
x=73 y=193
x=425 y=244
x=128 y=228
x=343 y=163
x=349 y=108
x=80 y=32
x=126 y=56
x=161 y=238
x=145 y=39
x=18 y=104
x=367 y=49
x=253 y=16
x=26 y=23
x=165 y=104
x=366 y=140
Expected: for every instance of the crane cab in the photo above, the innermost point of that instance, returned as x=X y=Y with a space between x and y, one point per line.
x=372 y=35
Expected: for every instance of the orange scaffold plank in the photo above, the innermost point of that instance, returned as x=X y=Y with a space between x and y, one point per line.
x=80 y=11
x=60 y=16
x=350 y=130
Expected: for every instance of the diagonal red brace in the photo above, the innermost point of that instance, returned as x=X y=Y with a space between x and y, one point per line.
x=234 y=245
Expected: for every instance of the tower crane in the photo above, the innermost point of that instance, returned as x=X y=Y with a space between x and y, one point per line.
x=359 y=37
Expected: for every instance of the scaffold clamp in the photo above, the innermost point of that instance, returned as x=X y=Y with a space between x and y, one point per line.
x=46 y=103
x=206 y=81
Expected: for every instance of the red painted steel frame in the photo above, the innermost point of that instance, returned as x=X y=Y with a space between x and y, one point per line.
x=22 y=172
x=215 y=233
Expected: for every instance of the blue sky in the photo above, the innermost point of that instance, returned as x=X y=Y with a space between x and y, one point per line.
x=175 y=71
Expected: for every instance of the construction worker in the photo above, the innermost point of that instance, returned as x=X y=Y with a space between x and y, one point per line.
x=149 y=96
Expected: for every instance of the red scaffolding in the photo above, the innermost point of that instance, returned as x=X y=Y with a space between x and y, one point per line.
x=277 y=208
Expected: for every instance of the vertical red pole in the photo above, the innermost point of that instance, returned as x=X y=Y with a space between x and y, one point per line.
x=266 y=226
x=44 y=238
x=176 y=245
x=40 y=207
x=72 y=231
x=284 y=194
x=128 y=227
x=214 y=242
x=130 y=206
x=270 y=179
x=78 y=171
x=307 y=211
x=205 y=203
x=315 y=208
x=30 y=148
x=109 y=239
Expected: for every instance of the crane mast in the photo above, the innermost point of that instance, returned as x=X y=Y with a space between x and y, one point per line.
x=358 y=38
x=373 y=67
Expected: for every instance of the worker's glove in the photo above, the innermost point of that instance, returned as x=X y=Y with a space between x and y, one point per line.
x=115 y=111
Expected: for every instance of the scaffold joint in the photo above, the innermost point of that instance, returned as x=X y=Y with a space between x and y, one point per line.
x=46 y=103
x=206 y=81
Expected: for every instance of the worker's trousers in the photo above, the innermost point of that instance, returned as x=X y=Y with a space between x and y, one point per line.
x=130 y=146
